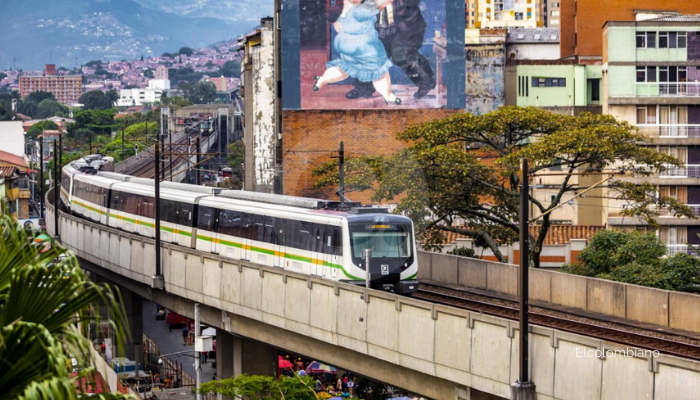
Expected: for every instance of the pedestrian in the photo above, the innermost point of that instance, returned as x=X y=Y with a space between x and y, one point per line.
x=351 y=386
x=185 y=334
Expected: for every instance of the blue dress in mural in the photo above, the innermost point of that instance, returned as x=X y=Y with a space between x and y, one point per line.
x=362 y=55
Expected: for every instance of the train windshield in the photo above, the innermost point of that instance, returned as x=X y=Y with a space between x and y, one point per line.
x=390 y=240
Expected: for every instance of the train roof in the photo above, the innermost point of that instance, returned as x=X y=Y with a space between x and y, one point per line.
x=282 y=200
x=94 y=179
x=164 y=193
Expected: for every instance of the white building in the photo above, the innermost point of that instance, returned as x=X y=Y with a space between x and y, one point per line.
x=533 y=44
x=141 y=96
x=12 y=137
x=505 y=13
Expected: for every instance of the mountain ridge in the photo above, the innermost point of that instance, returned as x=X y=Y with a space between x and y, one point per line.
x=71 y=32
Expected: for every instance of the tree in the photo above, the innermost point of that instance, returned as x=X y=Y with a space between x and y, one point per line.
x=48 y=108
x=186 y=51
x=36 y=129
x=3 y=75
x=200 y=92
x=175 y=102
x=466 y=167
x=262 y=387
x=637 y=258
x=97 y=100
x=231 y=69
x=44 y=296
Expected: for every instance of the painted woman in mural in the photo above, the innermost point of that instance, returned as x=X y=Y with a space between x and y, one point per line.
x=362 y=54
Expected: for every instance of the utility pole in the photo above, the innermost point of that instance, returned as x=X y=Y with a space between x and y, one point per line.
x=197 y=354
x=523 y=388
x=341 y=173
x=157 y=280
x=197 y=166
x=56 y=188
x=122 y=141
x=41 y=175
x=170 y=134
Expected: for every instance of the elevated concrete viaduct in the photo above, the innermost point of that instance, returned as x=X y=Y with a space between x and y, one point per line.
x=437 y=351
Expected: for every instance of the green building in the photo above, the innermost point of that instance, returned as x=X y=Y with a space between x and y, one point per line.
x=651 y=70
x=559 y=86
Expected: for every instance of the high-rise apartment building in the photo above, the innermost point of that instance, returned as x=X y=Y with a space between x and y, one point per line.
x=65 y=88
x=503 y=13
x=161 y=73
x=651 y=76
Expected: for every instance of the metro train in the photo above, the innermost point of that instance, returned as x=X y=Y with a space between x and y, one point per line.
x=310 y=236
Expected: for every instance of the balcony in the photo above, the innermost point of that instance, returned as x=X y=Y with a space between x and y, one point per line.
x=694 y=207
x=669 y=89
x=669 y=130
x=674 y=249
x=690 y=171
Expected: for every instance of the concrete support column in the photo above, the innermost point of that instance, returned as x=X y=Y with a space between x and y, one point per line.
x=224 y=354
x=254 y=358
x=133 y=304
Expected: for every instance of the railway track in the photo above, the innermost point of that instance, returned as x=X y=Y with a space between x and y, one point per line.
x=668 y=344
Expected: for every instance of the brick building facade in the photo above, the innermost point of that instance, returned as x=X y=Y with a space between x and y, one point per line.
x=582 y=21
x=311 y=137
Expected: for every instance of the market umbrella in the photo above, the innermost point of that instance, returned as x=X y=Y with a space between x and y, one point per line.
x=316 y=367
x=284 y=364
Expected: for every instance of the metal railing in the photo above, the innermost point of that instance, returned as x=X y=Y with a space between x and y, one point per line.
x=674 y=249
x=666 y=213
x=690 y=171
x=669 y=130
x=681 y=89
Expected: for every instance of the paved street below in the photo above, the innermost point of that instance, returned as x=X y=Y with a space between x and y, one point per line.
x=171 y=342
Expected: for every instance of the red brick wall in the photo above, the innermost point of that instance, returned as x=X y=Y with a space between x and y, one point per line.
x=311 y=137
x=587 y=18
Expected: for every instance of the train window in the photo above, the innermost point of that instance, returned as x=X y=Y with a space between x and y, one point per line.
x=337 y=242
x=280 y=231
x=147 y=207
x=184 y=214
x=318 y=237
x=205 y=219
x=292 y=234
x=269 y=230
x=131 y=206
x=306 y=238
x=230 y=222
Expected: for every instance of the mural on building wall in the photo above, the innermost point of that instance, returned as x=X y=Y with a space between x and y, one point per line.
x=371 y=54
x=485 y=86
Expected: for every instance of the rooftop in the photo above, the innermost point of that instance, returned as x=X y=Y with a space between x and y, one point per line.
x=533 y=35
x=557 y=234
x=12 y=159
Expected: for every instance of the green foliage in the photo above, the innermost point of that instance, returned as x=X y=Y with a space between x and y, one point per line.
x=93 y=64
x=236 y=158
x=186 y=51
x=466 y=168
x=636 y=258
x=609 y=249
x=44 y=296
x=186 y=74
x=40 y=126
x=3 y=75
x=175 y=102
x=49 y=108
x=200 y=92
x=136 y=134
x=463 y=252
x=231 y=69
x=98 y=100
x=262 y=387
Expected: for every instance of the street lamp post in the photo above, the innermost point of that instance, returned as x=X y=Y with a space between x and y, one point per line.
x=41 y=175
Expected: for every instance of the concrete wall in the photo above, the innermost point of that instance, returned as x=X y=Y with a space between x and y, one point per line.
x=637 y=303
x=437 y=351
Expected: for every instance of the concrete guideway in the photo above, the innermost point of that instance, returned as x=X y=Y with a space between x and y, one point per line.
x=437 y=351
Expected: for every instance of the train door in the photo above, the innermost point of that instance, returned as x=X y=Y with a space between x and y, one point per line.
x=183 y=223
x=207 y=237
x=245 y=232
x=278 y=236
x=105 y=215
x=334 y=246
x=215 y=237
x=318 y=259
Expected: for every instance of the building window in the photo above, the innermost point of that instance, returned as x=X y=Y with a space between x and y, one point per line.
x=595 y=89
x=646 y=115
x=519 y=16
x=646 y=40
x=548 y=82
x=673 y=40
x=646 y=74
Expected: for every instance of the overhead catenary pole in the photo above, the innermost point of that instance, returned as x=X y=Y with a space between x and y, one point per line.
x=156 y=179
x=197 y=166
x=41 y=175
x=56 y=189
x=197 y=354
x=341 y=171
x=523 y=388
